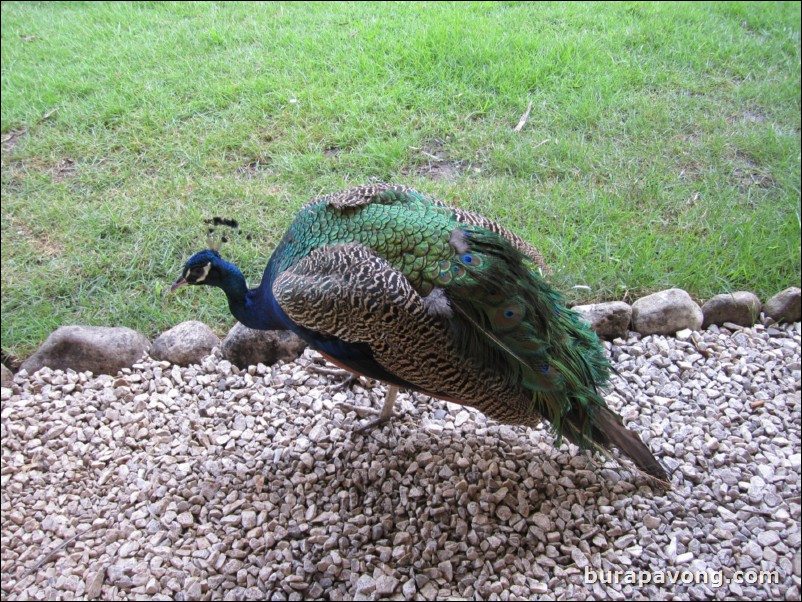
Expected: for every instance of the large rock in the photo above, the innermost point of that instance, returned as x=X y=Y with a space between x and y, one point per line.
x=785 y=306
x=246 y=347
x=742 y=308
x=666 y=312
x=609 y=320
x=98 y=349
x=7 y=376
x=187 y=343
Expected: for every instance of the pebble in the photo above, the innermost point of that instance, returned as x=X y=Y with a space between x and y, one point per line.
x=248 y=519
x=94 y=583
x=385 y=586
x=210 y=482
x=365 y=585
x=768 y=539
x=754 y=550
x=652 y=522
x=684 y=558
x=579 y=558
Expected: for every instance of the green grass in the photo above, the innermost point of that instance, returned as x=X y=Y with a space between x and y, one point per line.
x=663 y=146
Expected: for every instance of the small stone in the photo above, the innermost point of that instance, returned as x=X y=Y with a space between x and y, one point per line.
x=94 y=583
x=385 y=586
x=402 y=538
x=461 y=418
x=752 y=549
x=504 y=513
x=129 y=548
x=768 y=538
x=579 y=558
x=193 y=589
x=446 y=570
x=248 y=519
x=429 y=592
x=231 y=566
x=757 y=489
x=318 y=433
x=365 y=585
x=652 y=522
x=542 y=521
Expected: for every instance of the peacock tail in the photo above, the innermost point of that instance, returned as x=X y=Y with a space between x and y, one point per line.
x=397 y=286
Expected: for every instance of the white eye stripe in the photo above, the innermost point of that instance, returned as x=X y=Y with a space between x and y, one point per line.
x=206 y=269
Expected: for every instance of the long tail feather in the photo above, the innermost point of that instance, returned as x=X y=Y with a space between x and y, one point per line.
x=612 y=428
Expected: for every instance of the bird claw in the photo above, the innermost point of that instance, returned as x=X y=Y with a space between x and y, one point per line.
x=347 y=383
x=372 y=424
x=361 y=411
x=384 y=415
x=349 y=378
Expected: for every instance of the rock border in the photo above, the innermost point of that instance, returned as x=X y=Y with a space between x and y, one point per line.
x=667 y=312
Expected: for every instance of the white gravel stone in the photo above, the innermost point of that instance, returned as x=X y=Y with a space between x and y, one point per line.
x=211 y=482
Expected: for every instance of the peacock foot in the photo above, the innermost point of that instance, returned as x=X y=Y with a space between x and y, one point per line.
x=346 y=383
x=349 y=378
x=384 y=415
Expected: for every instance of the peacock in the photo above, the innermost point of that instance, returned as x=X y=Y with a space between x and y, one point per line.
x=394 y=285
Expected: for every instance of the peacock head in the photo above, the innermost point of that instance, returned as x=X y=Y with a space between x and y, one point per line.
x=206 y=267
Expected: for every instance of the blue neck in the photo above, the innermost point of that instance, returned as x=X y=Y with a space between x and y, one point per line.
x=254 y=308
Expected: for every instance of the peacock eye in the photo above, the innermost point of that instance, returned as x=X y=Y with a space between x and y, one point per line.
x=198 y=274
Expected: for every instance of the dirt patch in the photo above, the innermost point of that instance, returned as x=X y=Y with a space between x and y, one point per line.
x=434 y=162
x=14 y=174
x=255 y=166
x=748 y=174
x=11 y=138
x=16 y=171
x=691 y=171
x=749 y=177
x=746 y=117
x=62 y=170
x=41 y=241
x=445 y=170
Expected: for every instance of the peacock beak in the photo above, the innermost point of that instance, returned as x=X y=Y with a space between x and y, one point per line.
x=178 y=284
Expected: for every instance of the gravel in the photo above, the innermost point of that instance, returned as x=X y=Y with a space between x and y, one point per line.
x=210 y=482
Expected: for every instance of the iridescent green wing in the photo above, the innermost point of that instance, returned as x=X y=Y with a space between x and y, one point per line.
x=396 y=193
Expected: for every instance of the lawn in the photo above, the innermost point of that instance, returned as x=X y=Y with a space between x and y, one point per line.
x=662 y=148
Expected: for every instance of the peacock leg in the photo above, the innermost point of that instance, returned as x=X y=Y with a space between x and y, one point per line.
x=386 y=413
